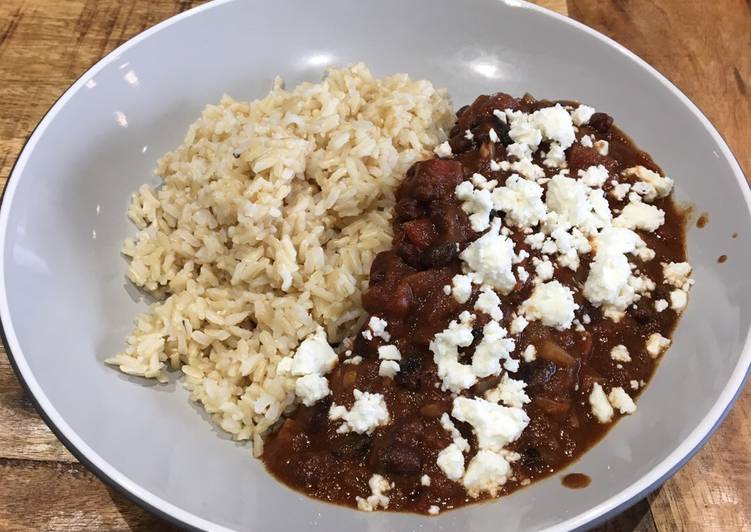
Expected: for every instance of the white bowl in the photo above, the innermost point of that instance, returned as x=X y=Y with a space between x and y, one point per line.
x=65 y=304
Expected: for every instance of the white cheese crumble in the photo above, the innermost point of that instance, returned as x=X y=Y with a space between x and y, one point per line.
x=621 y=401
x=529 y=354
x=494 y=425
x=454 y=375
x=602 y=147
x=314 y=355
x=443 y=150
x=451 y=461
x=543 y=269
x=493 y=135
x=378 y=328
x=676 y=273
x=620 y=354
x=661 y=305
x=663 y=185
x=552 y=303
x=586 y=141
x=434 y=510
x=461 y=288
x=368 y=412
x=311 y=388
x=509 y=391
x=476 y=202
x=577 y=205
x=494 y=347
x=601 y=407
x=556 y=156
x=378 y=487
x=354 y=360
x=657 y=344
x=487 y=471
x=389 y=352
x=518 y=324
x=521 y=200
x=489 y=303
x=620 y=191
x=581 y=115
x=678 y=299
x=638 y=215
x=490 y=259
x=555 y=125
x=468 y=135
x=634 y=384
x=388 y=369
x=425 y=480
x=594 y=176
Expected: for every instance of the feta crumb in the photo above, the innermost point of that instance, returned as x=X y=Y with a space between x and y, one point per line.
x=544 y=270
x=581 y=115
x=493 y=135
x=645 y=190
x=468 y=135
x=552 y=303
x=425 y=480
x=388 y=369
x=494 y=348
x=476 y=202
x=634 y=384
x=368 y=412
x=434 y=510
x=494 y=166
x=490 y=259
x=378 y=328
x=586 y=141
x=663 y=185
x=521 y=200
x=661 y=305
x=447 y=289
x=600 y=405
x=500 y=115
x=494 y=425
x=518 y=324
x=445 y=348
x=354 y=360
x=678 y=300
x=314 y=355
x=443 y=150
x=657 y=344
x=638 y=215
x=529 y=354
x=461 y=288
x=489 y=303
x=487 y=471
x=509 y=391
x=594 y=176
x=311 y=388
x=556 y=156
x=522 y=274
x=622 y=401
x=378 y=487
x=620 y=191
x=451 y=461
x=389 y=352
x=602 y=147
x=620 y=354
x=555 y=125
x=676 y=273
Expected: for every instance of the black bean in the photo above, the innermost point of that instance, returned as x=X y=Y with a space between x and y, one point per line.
x=351 y=445
x=409 y=375
x=439 y=255
x=602 y=122
x=398 y=459
x=461 y=110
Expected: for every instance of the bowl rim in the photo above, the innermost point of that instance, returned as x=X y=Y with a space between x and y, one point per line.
x=157 y=505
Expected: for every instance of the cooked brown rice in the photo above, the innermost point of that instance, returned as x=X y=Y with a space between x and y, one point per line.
x=266 y=223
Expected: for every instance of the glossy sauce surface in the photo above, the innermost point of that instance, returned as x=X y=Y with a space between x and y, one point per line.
x=406 y=289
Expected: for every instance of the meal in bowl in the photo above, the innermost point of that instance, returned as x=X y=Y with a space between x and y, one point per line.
x=398 y=317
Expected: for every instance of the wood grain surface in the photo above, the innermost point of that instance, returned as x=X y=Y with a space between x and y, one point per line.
x=704 y=47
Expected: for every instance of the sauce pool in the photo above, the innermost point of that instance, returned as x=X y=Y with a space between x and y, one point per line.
x=576 y=481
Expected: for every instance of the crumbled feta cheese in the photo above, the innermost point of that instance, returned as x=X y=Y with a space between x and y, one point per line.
x=678 y=300
x=378 y=327
x=524 y=134
x=445 y=348
x=425 y=480
x=368 y=412
x=521 y=200
x=581 y=115
x=519 y=150
x=487 y=471
x=314 y=355
x=490 y=259
x=528 y=169
x=451 y=461
x=663 y=185
x=447 y=289
x=620 y=191
x=657 y=344
x=600 y=405
x=556 y=156
x=602 y=147
x=574 y=203
x=389 y=352
x=555 y=125
x=494 y=347
x=529 y=354
x=543 y=269
x=388 y=369
x=676 y=273
x=378 y=487
x=622 y=401
x=494 y=425
x=594 y=176
x=518 y=324
x=509 y=391
x=552 y=303
x=354 y=360
x=456 y=436
x=620 y=354
x=634 y=384
x=493 y=135
x=434 y=510
x=461 y=287
x=661 y=305
x=638 y=215
x=468 y=135
x=476 y=202
x=586 y=141
x=311 y=388
x=489 y=303
x=645 y=190
x=522 y=274
x=443 y=150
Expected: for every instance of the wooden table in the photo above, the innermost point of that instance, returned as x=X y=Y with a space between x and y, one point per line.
x=704 y=47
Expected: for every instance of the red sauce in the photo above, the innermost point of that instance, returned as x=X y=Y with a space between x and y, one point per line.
x=703 y=220
x=722 y=258
x=576 y=481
